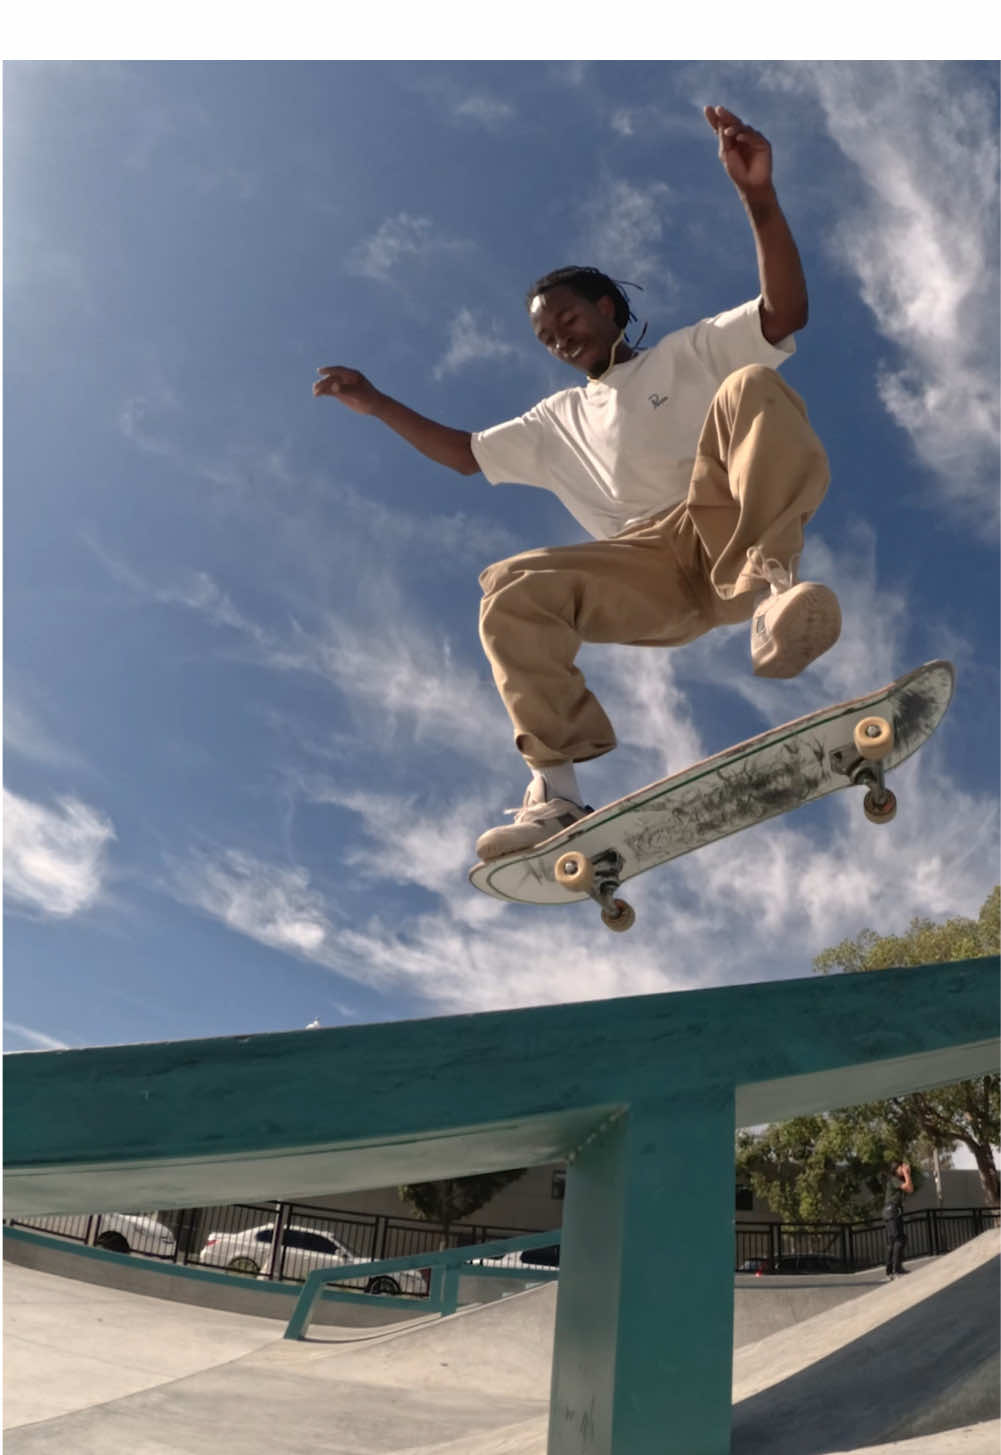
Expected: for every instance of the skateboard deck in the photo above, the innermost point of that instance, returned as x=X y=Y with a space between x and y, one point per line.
x=850 y=744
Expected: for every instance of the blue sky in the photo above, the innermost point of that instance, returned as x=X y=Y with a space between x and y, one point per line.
x=250 y=737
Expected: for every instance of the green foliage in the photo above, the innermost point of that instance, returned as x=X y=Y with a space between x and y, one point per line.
x=454 y=1198
x=923 y=943
x=829 y=1168
x=834 y=1167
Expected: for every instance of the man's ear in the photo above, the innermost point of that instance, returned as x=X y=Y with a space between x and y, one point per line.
x=606 y=305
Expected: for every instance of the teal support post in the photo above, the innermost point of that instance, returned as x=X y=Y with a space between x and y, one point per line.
x=628 y=1376
x=437 y=1290
x=450 y=1291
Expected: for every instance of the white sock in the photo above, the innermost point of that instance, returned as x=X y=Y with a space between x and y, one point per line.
x=561 y=782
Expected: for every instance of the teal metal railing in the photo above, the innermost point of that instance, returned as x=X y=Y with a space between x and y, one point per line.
x=446 y=1270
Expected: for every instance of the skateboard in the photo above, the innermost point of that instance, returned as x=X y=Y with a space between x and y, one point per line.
x=851 y=744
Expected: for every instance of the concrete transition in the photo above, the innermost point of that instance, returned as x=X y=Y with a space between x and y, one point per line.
x=909 y=1367
x=625 y=1092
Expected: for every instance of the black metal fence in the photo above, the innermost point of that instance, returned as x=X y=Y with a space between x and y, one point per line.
x=852 y=1247
x=116 y=1232
x=241 y=1239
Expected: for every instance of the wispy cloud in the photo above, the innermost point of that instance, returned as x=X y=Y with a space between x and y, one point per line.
x=54 y=857
x=472 y=341
x=195 y=590
x=646 y=121
x=157 y=125
x=397 y=679
x=487 y=111
x=28 y=736
x=465 y=954
x=403 y=840
x=403 y=680
x=41 y=259
x=623 y=226
x=460 y=541
x=294 y=508
x=405 y=238
x=570 y=73
x=185 y=131
x=275 y=906
x=922 y=241
x=158 y=404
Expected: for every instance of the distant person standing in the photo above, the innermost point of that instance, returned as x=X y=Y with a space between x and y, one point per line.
x=898 y=1186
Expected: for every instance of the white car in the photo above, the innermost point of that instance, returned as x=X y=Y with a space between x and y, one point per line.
x=116 y=1232
x=303 y=1250
x=134 y=1233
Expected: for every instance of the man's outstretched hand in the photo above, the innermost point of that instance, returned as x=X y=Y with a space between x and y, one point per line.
x=441 y=443
x=746 y=154
x=349 y=386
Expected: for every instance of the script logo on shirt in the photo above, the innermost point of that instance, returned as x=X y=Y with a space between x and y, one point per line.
x=657 y=399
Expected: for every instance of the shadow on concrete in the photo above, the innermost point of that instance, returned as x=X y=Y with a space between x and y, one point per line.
x=928 y=1369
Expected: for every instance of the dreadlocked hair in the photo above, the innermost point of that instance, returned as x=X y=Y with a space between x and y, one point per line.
x=589 y=283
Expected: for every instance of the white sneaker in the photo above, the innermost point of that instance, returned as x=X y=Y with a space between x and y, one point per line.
x=538 y=818
x=795 y=623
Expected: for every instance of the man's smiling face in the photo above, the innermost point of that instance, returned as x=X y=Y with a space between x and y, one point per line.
x=576 y=331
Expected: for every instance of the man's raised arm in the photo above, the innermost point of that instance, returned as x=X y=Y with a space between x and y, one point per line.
x=438 y=442
x=747 y=160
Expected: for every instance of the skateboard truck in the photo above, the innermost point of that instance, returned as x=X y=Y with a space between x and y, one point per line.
x=599 y=877
x=861 y=762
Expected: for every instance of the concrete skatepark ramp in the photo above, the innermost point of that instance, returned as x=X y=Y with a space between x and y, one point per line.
x=909 y=1367
x=915 y=1357
x=625 y=1092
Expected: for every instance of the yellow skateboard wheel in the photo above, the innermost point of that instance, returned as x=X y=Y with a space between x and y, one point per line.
x=574 y=871
x=873 y=737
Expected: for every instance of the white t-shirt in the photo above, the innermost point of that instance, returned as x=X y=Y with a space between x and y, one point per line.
x=621 y=449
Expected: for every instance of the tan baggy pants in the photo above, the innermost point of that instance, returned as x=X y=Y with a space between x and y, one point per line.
x=759 y=474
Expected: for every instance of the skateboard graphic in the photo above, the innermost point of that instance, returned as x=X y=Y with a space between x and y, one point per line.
x=852 y=743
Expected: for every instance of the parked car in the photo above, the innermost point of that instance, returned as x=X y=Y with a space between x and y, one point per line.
x=810 y=1263
x=757 y=1266
x=304 y=1249
x=794 y=1263
x=547 y=1257
x=134 y=1233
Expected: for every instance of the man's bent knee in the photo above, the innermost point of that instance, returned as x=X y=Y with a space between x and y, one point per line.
x=502 y=573
x=758 y=380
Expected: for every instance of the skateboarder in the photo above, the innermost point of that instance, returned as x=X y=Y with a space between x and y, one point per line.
x=691 y=464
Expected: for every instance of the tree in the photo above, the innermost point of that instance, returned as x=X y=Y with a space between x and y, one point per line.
x=454 y=1198
x=824 y=1168
x=833 y=1167
x=923 y=943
